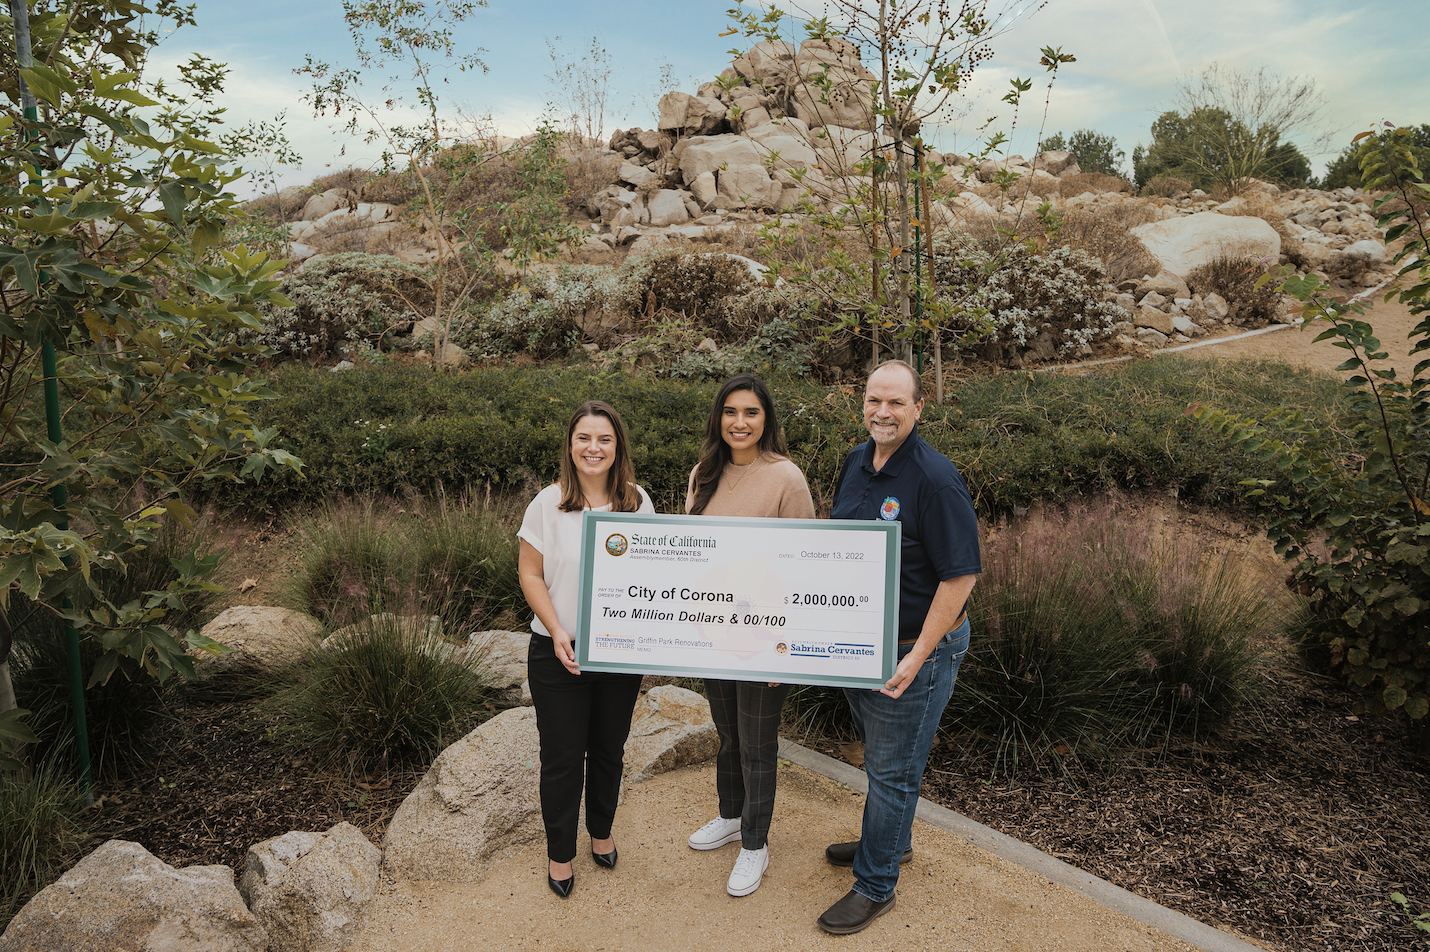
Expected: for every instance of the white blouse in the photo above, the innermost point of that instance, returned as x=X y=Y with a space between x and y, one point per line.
x=557 y=536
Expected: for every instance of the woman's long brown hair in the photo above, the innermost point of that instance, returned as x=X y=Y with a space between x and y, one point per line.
x=715 y=452
x=620 y=478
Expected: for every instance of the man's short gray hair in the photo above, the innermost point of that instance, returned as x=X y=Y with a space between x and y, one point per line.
x=909 y=368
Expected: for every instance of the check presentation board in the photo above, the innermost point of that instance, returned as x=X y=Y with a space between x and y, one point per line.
x=802 y=601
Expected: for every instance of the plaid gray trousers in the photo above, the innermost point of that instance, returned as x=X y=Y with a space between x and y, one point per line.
x=747 y=716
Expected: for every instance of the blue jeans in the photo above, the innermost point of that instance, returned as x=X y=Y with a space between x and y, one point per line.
x=898 y=734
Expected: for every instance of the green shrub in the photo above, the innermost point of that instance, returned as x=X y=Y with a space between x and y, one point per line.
x=1168 y=186
x=1094 y=636
x=119 y=709
x=43 y=823
x=388 y=693
x=695 y=285
x=342 y=300
x=1016 y=437
x=1351 y=513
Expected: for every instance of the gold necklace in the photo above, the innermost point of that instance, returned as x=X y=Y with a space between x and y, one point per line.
x=743 y=471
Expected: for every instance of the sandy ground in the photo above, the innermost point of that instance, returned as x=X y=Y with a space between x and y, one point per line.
x=1295 y=345
x=663 y=895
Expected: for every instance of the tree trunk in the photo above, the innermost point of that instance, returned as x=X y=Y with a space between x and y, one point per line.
x=927 y=217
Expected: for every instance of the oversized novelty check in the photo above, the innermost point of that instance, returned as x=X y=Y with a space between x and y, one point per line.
x=804 y=601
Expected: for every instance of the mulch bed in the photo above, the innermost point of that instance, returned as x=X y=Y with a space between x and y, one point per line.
x=1291 y=829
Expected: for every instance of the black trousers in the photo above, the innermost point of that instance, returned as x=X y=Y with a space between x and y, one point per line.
x=583 y=721
x=747 y=716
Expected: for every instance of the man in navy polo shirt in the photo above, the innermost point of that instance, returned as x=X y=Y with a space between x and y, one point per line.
x=897 y=476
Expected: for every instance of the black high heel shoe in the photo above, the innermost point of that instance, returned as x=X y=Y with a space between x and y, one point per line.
x=562 y=887
x=607 y=860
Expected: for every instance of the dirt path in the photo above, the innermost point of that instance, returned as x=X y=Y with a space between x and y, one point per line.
x=663 y=895
x=1296 y=345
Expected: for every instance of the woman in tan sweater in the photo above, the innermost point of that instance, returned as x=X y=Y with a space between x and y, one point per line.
x=743 y=471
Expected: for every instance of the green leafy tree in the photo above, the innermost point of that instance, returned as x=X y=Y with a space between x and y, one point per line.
x=115 y=296
x=1094 y=152
x=1344 y=169
x=1230 y=126
x=1369 y=587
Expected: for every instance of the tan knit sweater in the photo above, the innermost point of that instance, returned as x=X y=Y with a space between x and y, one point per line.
x=771 y=487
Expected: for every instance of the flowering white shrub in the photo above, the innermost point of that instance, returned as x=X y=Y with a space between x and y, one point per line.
x=340 y=302
x=1015 y=303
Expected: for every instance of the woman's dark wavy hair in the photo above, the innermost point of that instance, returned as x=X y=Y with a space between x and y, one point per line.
x=620 y=478
x=715 y=452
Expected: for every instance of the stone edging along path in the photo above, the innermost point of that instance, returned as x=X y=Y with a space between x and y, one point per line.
x=1175 y=924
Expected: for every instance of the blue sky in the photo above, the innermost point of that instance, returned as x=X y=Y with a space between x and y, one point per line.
x=1365 y=56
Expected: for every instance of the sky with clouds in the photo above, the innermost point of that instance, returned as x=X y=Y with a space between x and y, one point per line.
x=1367 y=58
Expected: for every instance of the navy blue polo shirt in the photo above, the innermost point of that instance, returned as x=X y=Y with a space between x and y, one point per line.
x=922 y=489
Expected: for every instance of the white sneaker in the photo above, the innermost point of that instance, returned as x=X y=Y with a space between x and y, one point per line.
x=715 y=834
x=749 y=868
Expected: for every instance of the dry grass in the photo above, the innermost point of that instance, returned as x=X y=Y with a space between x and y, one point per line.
x=1122 y=253
x=1095 y=182
x=1234 y=277
x=1167 y=186
x=1264 y=206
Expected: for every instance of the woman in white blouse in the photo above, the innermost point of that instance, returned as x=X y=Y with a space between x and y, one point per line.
x=582 y=718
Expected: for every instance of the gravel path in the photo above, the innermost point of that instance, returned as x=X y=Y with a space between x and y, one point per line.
x=663 y=895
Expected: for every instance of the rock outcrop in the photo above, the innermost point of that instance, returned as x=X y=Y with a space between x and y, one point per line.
x=310 y=890
x=1185 y=244
x=671 y=727
x=121 y=898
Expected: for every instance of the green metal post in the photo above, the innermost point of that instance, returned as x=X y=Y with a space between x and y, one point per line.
x=20 y=14
x=918 y=257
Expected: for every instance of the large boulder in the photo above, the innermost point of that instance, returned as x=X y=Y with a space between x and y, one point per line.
x=1186 y=243
x=501 y=655
x=121 y=898
x=479 y=797
x=481 y=794
x=830 y=87
x=667 y=207
x=786 y=152
x=1166 y=284
x=682 y=113
x=671 y=728
x=704 y=188
x=844 y=147
x=771 y=60
x=714 y=153
x=258 y=632
x=310 y=890
x=750 y=186
x=1056 y=162
x=328 y=202
x=847 y=102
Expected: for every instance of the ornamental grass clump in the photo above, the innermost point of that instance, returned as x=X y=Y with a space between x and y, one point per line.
x=386 y=692
x=366 y=556
x=43 y=825
x=1095 y=636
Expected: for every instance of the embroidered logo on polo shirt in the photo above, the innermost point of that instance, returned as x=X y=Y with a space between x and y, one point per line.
x=889 y=511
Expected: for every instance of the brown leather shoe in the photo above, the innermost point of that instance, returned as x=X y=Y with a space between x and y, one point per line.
x=842 y=854
x=853 y=913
